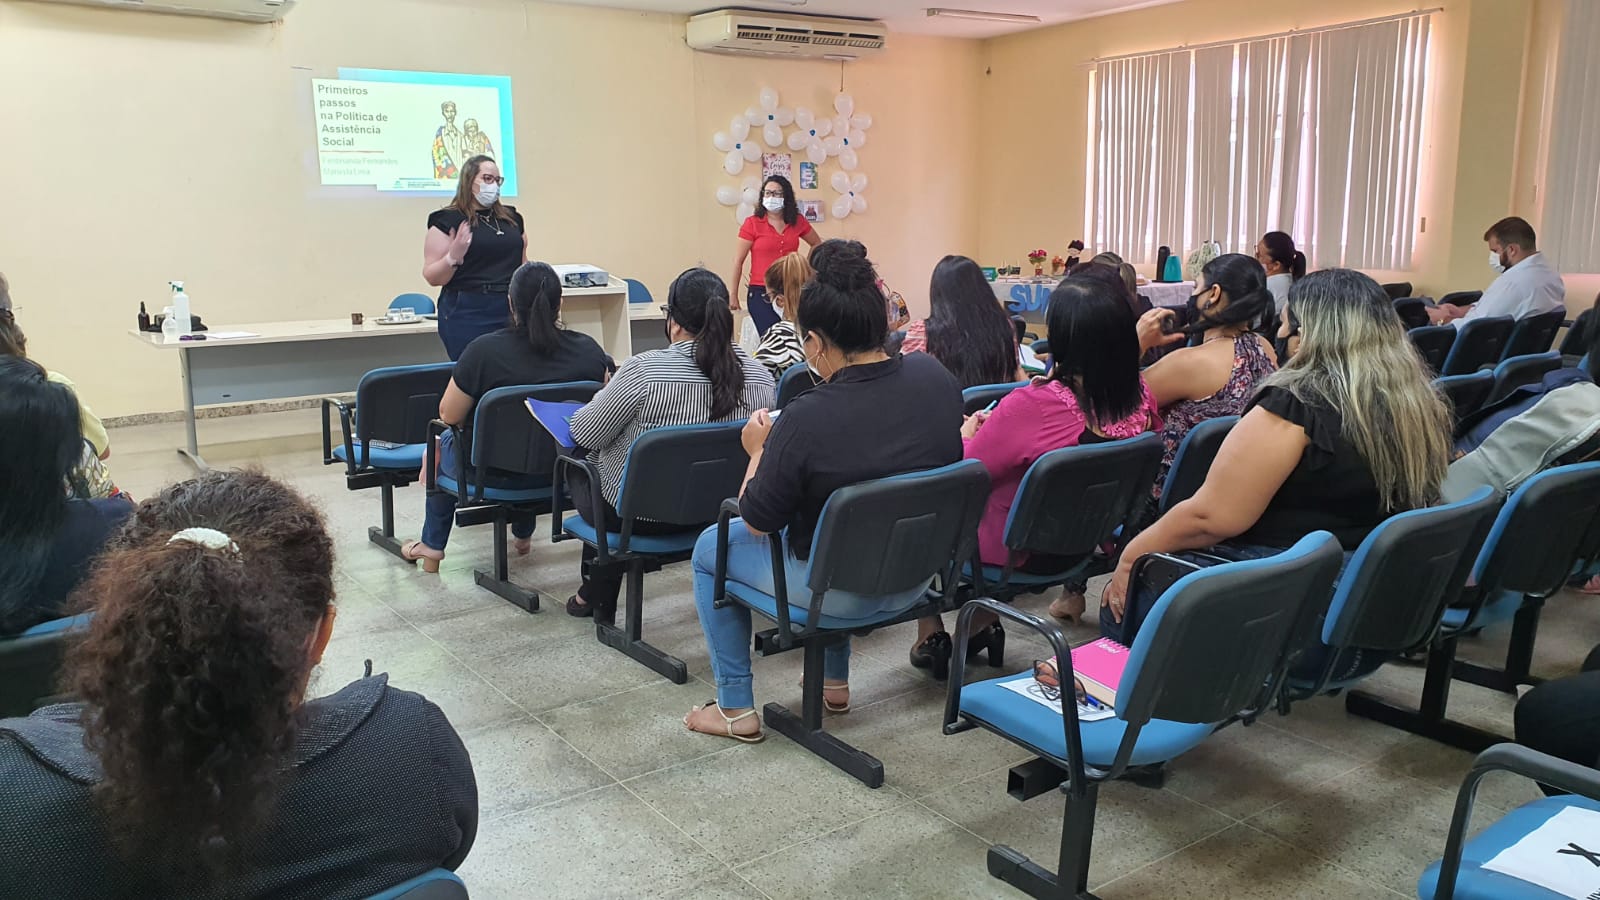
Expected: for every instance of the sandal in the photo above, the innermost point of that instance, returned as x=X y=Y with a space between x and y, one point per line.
x=578 y=609
x=728 y=722
x=411 y=551
x=837 y=709
x=1069 y=606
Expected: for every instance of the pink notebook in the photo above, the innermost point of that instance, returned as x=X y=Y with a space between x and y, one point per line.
x=1099 y=666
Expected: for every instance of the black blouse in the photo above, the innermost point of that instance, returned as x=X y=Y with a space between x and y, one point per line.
x=1331 y=488
x=495 y=254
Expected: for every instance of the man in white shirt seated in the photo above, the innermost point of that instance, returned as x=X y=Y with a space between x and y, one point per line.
x=1528 y=284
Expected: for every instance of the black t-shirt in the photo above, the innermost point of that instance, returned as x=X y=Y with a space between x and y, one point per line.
x=492 y=258
x=870 y=421
x=505 y=359
x=83 y=533
x=1330 y=489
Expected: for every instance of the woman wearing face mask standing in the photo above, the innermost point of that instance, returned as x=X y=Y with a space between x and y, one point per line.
x=472 y=248
x=775 y=231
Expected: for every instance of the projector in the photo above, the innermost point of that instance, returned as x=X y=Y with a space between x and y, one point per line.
x=582 y=275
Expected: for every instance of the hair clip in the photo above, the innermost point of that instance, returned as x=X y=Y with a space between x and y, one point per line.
x=209 y=538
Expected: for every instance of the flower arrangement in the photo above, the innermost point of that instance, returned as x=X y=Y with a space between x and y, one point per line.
x=1057 y=264
x=1037 y=257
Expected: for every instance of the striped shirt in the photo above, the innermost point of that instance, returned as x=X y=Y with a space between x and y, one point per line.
x=780 y=348
x=651 y=390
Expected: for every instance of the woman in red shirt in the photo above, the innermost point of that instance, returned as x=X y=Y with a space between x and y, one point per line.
x=773 y=232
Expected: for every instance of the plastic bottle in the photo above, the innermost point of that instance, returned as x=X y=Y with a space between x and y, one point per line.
x=144 y=319
x=169 y=324
x=180 y=308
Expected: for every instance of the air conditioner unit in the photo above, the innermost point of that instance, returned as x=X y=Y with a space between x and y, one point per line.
x=776 y=34
x=238 y=10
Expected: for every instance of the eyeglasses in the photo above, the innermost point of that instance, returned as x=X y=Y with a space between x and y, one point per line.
x=492 y=179
x=666 y=310
x=778 y=194
x=1044 y=672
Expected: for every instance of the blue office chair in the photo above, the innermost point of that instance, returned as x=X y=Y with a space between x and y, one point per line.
x=384 y=434
x=1413 y=311
x=1479 y=343
x=421 y=304
x=30 y=663
x=1433 y=342
x=1394 y=590
x=1462 y=298
x=1536 y=538
x=796 y=380
x=1461 y=874
x=1176 y=690
x=875 y=538
x=1397 y=289
x=677 y=475
x=1192 y=462
x=980 y=396
x=507 y=472
x=1575 y=343
x=637 y=292
x=1534 y=334
x=1466 y=393
x=437 y=884
x=1521 y=370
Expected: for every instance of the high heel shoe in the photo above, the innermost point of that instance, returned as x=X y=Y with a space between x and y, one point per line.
x=992 y=639
x=934 y=653
x=415 y=551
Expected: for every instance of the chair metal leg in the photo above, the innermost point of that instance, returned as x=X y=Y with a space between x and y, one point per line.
x=628 y=638
x=1429 y=719
x=1071 y=882
x=384 y=536
x=499 y=581
x=1519 y=654
x=806 y=728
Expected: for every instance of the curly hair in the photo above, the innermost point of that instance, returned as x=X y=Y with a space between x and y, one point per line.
x=196 y=663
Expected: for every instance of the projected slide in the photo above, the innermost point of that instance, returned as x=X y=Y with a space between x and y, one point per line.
x=411 y=131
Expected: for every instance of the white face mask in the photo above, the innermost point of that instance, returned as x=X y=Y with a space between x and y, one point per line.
x=773 y=204
x=1494 y=262
x=488 y=193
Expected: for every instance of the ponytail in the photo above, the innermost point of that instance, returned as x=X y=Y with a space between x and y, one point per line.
x=536 y=302
x=1245 y=283
x=1297 y=269
x=698 y=302
x=194 y=667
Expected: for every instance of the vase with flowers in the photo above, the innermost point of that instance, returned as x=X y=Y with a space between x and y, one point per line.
x=1037 y=257
x=1057 y=264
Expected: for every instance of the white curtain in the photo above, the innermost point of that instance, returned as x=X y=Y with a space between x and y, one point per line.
x=1316 y=134
x=1570 y=226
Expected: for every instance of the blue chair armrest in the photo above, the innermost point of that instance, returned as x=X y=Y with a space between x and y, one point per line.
x=345 y=425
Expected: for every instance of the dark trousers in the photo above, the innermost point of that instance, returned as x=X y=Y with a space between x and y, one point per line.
x=761 y=310
x=1562 y=717
x=602 y=583
x=466 y=315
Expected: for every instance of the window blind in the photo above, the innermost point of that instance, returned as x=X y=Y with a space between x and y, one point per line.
x=1570 y=224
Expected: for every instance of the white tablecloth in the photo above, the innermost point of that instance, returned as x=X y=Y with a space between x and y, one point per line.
x=1028 y=297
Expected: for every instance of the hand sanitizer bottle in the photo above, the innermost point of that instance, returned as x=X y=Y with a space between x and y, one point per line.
x=180 y=309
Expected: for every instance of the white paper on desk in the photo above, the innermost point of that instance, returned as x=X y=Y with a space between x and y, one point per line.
x=229 y=335
x=1029 y=687
x=1562 y=855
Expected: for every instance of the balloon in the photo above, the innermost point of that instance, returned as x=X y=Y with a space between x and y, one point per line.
x=841 y=126
x=840 y=182
x=769 y=99
x=798 y=140
x=841 y=208
x=754 y=116
x=722 y=141
x=858 y=182
x=857 y=139
x=861 y=121
x=785 y=116
x=739 y=128
x=733 y=163
x=727 y=196
x=858 y=204
x=772 y=134
x=823 y=127
x=744 y=211
x=832 y=144
x=847 y=159
x=752 y=151
x=802 y=118
x=816 y=152
x=844 y=104
x=750 y=181
x=750 y=197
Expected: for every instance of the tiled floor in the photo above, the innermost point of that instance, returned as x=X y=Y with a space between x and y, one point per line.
x=590 y=786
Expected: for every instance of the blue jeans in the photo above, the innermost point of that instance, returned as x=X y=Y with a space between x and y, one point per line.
x=465 y=315
x=761 y=310
x=440 y=513
x=728 y=630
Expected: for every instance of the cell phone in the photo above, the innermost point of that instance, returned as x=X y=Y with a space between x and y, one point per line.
x=385 y=445
x=990 y=407
x=773 y=414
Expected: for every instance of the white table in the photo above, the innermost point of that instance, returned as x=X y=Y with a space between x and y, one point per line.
x=1029 y=297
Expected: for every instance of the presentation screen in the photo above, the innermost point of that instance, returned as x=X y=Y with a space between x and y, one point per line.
x=411 y=131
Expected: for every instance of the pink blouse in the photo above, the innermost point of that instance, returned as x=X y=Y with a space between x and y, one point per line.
x=1030 y=422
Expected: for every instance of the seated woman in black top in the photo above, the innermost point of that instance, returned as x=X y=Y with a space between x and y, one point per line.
x=46 y=539
x=195 y=766
x=872 y=417
x=534 y=349
x=1347 y=434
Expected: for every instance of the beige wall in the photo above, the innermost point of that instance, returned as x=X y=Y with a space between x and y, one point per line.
x=162 y=147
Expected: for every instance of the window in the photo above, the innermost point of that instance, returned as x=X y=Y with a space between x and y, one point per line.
x=1316 y=133
x=1570 y=225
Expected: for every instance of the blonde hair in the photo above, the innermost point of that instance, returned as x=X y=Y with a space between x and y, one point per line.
x=785 y=277
x=1355 y=358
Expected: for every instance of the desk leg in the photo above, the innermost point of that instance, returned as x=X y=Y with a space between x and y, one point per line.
x=192 y=451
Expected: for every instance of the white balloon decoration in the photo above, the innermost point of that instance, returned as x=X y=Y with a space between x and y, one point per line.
x=840 y=134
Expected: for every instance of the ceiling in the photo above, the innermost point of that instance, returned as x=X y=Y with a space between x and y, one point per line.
x=906 y=16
